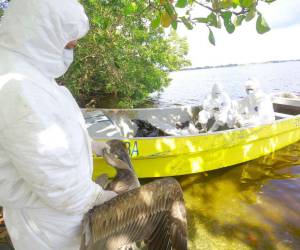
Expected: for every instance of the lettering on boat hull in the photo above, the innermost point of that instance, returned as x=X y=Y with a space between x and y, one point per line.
x=133 y=148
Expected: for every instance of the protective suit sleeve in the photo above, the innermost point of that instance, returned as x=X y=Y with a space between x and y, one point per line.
x=98 y=147
x=264 y=107
x=226 y=102
x=41 y=150
x=207 y=103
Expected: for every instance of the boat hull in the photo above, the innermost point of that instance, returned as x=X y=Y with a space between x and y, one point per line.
x=182 y=155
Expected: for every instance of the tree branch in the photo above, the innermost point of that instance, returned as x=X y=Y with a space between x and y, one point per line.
x=242 y=12
x=205 y=6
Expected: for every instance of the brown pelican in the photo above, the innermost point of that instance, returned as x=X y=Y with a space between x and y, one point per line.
x=125 y=178
x=153 y=213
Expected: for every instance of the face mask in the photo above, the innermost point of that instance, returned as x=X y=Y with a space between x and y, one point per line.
x=68 y=57
x=249 y=91
x=216 y=95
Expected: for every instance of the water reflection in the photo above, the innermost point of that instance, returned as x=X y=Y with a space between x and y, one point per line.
x=255 y=205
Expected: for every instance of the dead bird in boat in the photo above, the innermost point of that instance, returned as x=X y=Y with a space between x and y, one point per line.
x=153 y=213
x=146 y=129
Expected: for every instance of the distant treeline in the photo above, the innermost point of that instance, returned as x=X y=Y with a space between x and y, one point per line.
x=235 y=65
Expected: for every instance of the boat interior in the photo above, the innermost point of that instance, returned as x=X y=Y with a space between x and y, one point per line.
x=286 y=107
x=119 y=123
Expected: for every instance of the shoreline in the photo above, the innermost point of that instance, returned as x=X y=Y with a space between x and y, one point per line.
x=236 y=65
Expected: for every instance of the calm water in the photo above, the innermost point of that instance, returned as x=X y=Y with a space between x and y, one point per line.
x=255 y=205
x=190 y=87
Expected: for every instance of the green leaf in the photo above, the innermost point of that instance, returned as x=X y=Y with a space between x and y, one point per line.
x=247 y=3
x=174 y=25
x=170 y=10
x=211 y=37
x=156 y=22
x=251 y=14
x=215 y=4
x=181 y=3
x=226 y=4
x=212 y=19
x=187 y=23
x=229 y=26
x=131 y=8
x=165 y=20
x=238 y=20
x=97 y=21
x=201 y=19
x=227 y=16
x=261 y=25
x=236 y=2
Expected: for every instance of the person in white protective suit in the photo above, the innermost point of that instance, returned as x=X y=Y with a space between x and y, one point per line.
x=257 y=107
x=216 y=105
x=45 y=151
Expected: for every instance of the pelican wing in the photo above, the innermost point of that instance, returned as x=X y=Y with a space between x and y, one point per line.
x=153 y=213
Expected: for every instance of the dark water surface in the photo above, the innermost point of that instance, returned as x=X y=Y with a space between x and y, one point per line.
x=255 y=205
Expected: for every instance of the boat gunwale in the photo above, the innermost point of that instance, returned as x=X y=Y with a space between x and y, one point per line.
x=288 y=129
x=228 y=131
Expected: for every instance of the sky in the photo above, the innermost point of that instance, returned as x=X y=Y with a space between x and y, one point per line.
x=245 y=45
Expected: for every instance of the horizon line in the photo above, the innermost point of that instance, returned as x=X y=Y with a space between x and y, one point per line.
x=237 y=64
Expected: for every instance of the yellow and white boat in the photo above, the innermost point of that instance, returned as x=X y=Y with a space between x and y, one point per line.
x=188 y=154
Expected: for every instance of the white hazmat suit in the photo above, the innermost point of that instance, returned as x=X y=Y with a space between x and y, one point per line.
x=257 y=107
x=216 y=105
x=45 y=150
